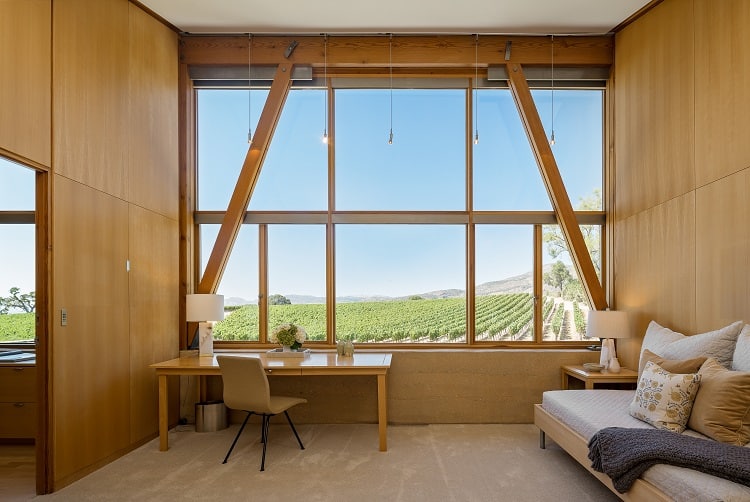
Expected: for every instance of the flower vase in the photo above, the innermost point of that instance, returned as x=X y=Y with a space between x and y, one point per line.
x=286 y=348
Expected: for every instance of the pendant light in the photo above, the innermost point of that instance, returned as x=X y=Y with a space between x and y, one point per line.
x=249 y=88
x=476 y=83
x=552 y=108
x=390 y=71
x=325 y=86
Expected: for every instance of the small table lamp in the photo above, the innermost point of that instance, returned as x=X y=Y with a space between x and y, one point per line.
x=204 y=309
x=607 y=325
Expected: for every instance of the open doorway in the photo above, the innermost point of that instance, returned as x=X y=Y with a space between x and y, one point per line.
x=22 y=296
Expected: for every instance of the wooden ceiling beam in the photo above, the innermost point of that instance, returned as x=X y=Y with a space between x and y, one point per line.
x=248 y=178
x=441 y=51
x=545 y=159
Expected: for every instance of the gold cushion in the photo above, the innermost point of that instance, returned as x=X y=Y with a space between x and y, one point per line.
x=722 y=406
x=672 y=365
x=664 y=399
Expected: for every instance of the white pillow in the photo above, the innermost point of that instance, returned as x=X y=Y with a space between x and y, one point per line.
x=672 y=345
x=664 y=399
x=741 y=359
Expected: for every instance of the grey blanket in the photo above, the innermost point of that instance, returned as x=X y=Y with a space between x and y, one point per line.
x=624 y=454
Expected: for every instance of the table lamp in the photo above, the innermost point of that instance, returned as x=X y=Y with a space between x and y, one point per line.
x=608 y=325
x=204 y=309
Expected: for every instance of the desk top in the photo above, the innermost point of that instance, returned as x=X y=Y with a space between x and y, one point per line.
x=317 y=362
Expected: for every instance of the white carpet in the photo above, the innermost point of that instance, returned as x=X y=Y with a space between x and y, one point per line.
x=342 y=463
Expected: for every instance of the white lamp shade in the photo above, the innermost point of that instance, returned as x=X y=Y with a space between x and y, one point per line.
x=607 y=324
x=203 y=308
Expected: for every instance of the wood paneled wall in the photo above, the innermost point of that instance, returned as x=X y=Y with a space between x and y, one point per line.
x=115 y=206
x=25 y=95
x=682 y=167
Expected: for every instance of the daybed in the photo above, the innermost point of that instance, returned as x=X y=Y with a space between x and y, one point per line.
x=572 y=417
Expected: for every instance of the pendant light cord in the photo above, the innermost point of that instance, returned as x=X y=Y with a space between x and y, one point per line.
x=249 y=88
x=476 y=86
x=325 y=86
x=390 y=70
x=552 y=137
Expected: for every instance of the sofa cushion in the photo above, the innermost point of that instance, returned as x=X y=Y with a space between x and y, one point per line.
x=673 y=365
x=741 y=359
x=664 y=399
x=672 y=345
x=721 y=409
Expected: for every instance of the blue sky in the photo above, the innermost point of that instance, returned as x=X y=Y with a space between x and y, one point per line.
x=16 y=241
x=422 y=170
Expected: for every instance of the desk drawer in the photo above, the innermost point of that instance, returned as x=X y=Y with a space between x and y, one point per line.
x=17 y=420
x=17 y=384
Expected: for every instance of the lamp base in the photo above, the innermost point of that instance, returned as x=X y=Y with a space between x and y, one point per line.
x=206 y=339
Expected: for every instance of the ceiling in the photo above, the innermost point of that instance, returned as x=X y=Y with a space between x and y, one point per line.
x=395 y=16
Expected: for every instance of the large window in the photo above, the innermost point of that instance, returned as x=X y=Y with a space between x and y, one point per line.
x=429 y=239
x=17 y=254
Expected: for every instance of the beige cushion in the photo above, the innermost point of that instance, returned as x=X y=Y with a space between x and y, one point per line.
x=722 y=406
x=664 y=399
x=672 y=365
x=672 y=345
x=741 y=359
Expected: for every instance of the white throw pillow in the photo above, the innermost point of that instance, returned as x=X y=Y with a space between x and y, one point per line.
x=672 y=345
x=741 y=359
x=664 y=399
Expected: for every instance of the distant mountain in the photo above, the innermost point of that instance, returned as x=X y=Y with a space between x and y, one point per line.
x=517 y=284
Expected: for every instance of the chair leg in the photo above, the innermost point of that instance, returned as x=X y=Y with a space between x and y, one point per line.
x=237 y=437
x=264 y=434
x=294 y=430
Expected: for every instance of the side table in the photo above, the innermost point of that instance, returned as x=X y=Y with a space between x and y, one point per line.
x=591 y=378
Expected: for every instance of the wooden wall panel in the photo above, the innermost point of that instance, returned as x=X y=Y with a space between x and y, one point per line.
x=655 y=270
x=90 y=356
x=90 y=85
x=153 y=162
x=154 y=282
x=722 y=252
x=722 y=100
x=654 y=108
x=25 y=79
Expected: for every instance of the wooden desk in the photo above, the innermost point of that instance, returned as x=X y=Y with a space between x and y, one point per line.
x=590 y=378
x=318 y=363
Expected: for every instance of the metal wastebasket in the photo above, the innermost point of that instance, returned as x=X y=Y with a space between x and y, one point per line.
x=210 y=416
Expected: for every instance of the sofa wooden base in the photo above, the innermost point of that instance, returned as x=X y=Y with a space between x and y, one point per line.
x=577 y=447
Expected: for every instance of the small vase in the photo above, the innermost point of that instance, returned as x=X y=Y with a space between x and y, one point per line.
x=286 y=348
x=614 y=365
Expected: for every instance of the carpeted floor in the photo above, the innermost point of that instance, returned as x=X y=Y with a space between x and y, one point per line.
x=342 y=463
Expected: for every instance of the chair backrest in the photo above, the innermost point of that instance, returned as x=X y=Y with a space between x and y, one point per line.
x=245 y=383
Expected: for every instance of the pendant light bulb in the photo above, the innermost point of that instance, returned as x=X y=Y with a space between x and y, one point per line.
x=476 y=137
x=552 y=139
x=325 y=137
x=390 y=137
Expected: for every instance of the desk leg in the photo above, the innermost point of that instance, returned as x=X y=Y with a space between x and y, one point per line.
x=163 y=414
x=589 y=384
x=382 y=414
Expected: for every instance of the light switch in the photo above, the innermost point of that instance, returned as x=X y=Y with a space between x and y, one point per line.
x=63 y=317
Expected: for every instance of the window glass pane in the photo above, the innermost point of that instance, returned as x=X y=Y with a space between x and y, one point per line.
x=504 y=283
x=17 y=256
x=506 y=176
x=295 y=171
x=222 y=127
x=579 y=140
x=424 y=168
x=565 y=305
x=17 y=187
x=297 y=275
x=17 y=286
x=401 y=283
x=239 y=283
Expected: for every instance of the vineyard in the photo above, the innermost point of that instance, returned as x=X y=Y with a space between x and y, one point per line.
x=500 y=317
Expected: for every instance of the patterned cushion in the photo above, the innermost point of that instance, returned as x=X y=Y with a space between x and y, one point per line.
x=672 y=345
x=721 y=409
x=741 y=360
x=664 y=399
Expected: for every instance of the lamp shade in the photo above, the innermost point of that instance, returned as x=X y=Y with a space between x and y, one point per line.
x=203 y=308
x=607 y=324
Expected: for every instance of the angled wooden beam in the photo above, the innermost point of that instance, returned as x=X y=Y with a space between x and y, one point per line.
x=566 y=217
x=256 y=153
